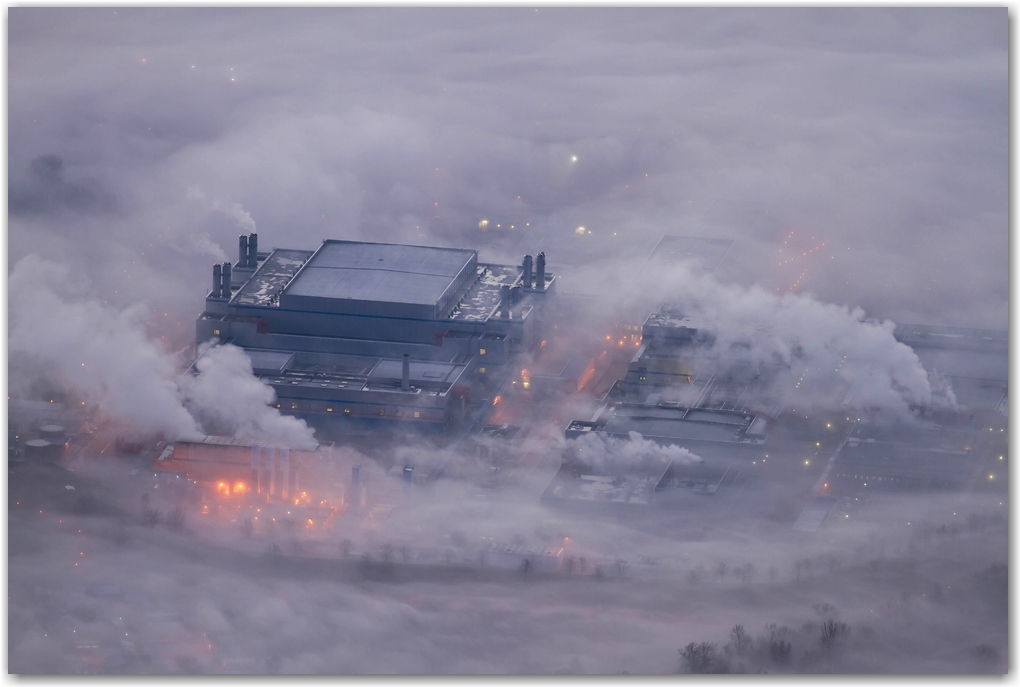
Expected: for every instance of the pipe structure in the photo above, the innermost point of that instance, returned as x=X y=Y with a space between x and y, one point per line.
x=540 y=270
x=405 y=373
x=253 y=250
x=527 y=271
x=242 y=251
x=504 y=301
x=225 y=278
x=217 y=281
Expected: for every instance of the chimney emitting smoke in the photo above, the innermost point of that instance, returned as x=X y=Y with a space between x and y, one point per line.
x=540 y=269
x=527 y=271
x=242 y=250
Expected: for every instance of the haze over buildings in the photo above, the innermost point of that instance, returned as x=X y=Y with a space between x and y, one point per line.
x=516 y=340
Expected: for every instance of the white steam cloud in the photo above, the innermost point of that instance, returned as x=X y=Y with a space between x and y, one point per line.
x=843 y=359
x=104 y=356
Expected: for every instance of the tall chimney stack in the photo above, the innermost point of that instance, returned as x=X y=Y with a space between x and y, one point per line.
x=540 y=269
x=242 y=251
x=225 y=289
x=527 y=271
x=516 y=295
x=405 y=373
x=253 y=250
x=504 y=301
x=217 y=281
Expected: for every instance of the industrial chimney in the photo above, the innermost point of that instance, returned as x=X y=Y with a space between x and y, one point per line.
x=217 y=281
x=253 y=250
x=355 y=475
x=504 y=301
x=540 y=269
x=225 y=290
x=527 y=271
x=242 y=251
x=405 y=373
x=516 y=294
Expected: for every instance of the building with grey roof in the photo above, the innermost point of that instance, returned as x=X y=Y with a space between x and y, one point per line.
x=375 y=331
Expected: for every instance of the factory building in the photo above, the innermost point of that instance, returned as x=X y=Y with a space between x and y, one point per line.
x=376 y=332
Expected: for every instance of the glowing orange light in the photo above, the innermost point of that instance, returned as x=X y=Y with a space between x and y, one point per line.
x=495 y=400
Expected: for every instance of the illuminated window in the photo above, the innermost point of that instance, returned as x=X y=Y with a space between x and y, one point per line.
x=277 y=405
x=216 y=332
x=329 y=409
x=481 y=351
x=347 y=410
x=417 y=413
x=293 y=406
x=481 y=370
x=382 y=412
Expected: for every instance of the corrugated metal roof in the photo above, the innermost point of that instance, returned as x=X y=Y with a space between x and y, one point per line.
x=380 y=272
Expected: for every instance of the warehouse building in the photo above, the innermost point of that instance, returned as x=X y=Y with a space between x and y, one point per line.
x=372 y=331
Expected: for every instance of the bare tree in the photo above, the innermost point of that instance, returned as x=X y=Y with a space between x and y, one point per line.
x=526 y=566
x=696 y=574
x=345 y=548
x=721 y=570
x=568 y=565
x=621 y=567
x=583 y=563
x=777 y=644
x=152 y=516
x=740 y=640
x=700 y=658
x=745 y=572
x=387 y=553
x=832 y=631
x=773 y=573
x=405 y=553
x=247 y=528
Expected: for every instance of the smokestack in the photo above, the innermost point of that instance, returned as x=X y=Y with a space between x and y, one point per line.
x=504 y=301
x=256 y=464
x=408 y=478
x=242 y=251
x=516 y=294
x=225 y=281
x=355 y=475
x=405 y=373
x=269 y=479
x=540 y=269
x=253 y=250
x=285 y=472
x=527 y=271
x=217 y=281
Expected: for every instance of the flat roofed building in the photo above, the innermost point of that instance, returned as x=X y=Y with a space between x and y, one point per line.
x=319 y=325
x=354 y=277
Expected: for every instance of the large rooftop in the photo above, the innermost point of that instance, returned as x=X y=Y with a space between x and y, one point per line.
x=342 y=274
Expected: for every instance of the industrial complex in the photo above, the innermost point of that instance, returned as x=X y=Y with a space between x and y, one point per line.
x=374 y=332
